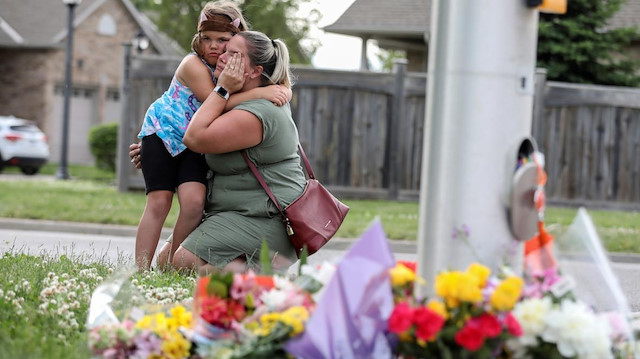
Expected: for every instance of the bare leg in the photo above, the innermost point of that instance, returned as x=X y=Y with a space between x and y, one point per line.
x=150 y=226
x=191 y=196
x=162 y=260
x=184 y=259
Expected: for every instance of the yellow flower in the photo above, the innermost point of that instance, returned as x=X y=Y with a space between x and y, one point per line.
x=480 y=272
x=295 y=318
x=144 y=323
x=456 y=286
x=175 y=346
x=438 y=307
x=401 y=275
x=469 y=289
x=506 y=294
x=181 y=315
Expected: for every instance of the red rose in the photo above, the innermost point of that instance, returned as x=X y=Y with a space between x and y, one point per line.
x=428 y=322
x=214 y=311
x=400 y=320
x=489 y=325
x=470 y=336
x=513 y=326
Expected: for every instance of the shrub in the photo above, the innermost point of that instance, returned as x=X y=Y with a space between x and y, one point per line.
x=103 y=142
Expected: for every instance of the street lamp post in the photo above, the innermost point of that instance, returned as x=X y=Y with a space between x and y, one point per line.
x=62 y=168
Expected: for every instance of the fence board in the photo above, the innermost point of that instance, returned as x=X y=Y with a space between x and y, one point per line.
x=590 y=135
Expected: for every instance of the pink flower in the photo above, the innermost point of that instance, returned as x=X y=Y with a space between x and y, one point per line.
x=513 y=326
x=400 y=319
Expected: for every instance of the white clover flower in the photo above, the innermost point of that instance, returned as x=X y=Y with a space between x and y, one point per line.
x=65 y=276
x=1 y=292
x=26 y=285
x=10 y=295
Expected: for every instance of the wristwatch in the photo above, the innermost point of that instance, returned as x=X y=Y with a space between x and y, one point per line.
x=222 y=92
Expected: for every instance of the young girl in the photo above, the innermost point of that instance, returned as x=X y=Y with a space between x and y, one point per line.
x=166 y=162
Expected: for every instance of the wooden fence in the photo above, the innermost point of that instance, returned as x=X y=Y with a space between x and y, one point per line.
x=363 y=132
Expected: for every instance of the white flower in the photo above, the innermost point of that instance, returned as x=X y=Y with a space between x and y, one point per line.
x=322 y=273
x=531 y=314
x=577 y=331
x=283 y=283
x=273 y=298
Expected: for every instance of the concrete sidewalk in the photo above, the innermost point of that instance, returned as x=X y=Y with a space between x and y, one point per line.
x=338 y=244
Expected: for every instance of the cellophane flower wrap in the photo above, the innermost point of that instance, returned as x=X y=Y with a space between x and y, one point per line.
x=122 y=324
x=469 y=316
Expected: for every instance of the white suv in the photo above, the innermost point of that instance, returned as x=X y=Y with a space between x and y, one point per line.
x=22 y=144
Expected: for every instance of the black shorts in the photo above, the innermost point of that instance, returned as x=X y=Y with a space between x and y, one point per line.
x=164 y=172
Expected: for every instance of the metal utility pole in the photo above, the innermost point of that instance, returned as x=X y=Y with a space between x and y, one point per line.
x=482 y=56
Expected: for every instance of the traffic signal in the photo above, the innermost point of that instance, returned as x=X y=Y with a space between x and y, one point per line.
x=549 y=6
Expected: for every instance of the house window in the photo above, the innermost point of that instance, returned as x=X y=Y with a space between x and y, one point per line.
x=113 y=95
x=106 y=25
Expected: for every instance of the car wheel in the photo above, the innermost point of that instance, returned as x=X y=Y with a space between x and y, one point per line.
x=29 y=170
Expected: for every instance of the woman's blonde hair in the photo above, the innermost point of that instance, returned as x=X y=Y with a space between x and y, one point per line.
x=272 y=55
x=213 y=8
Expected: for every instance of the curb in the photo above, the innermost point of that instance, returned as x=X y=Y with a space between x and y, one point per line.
x=397 y=246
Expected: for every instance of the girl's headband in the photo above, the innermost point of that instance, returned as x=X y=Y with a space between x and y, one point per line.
x=218 y=22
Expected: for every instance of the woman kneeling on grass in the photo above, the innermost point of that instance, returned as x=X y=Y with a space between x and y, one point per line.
x=239 y=214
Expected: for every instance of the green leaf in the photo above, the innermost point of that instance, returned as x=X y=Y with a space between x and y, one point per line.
x=304 y=255
x=265 y=259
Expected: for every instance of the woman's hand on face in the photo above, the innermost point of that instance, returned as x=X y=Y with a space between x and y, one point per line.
x=134 y=154
x=278 y=94
x=233 y=76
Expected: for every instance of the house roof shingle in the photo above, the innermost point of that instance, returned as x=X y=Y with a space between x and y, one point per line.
x=411 y=18
x=628 y=16
x=44 y=24
x=408 y=17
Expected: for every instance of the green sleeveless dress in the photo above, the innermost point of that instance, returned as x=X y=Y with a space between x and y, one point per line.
x=239 y=214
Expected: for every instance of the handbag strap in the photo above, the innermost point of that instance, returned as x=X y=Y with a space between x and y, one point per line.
x=264 y=185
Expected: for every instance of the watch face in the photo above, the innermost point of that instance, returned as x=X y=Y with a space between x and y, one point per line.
x=222 y=92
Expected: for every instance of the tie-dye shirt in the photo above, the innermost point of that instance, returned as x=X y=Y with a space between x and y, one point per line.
x=169 y=116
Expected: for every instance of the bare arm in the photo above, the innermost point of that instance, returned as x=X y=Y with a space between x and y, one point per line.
x=211 y=131
x=196 y=76
x=277 y=94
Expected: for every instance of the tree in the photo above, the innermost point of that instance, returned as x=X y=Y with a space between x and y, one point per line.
x=580 y=47
x=276 y=18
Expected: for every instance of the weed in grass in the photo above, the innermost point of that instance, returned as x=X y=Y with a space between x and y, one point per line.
x=44 y=301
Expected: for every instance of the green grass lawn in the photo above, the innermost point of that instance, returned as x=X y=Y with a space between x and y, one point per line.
x=90 y=196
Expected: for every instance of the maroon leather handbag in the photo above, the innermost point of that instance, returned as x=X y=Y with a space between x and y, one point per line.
x=311 y=219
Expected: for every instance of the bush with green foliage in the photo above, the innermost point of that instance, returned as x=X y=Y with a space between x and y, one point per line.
x=582 y=47
x=103 y=142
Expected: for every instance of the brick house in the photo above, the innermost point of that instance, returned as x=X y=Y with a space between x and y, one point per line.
x=405 y=25
x=33 y=36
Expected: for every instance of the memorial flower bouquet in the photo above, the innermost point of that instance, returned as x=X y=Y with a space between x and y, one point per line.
x=556 y=324
x=248 y=315
x=155 y=335
x=470 y=316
